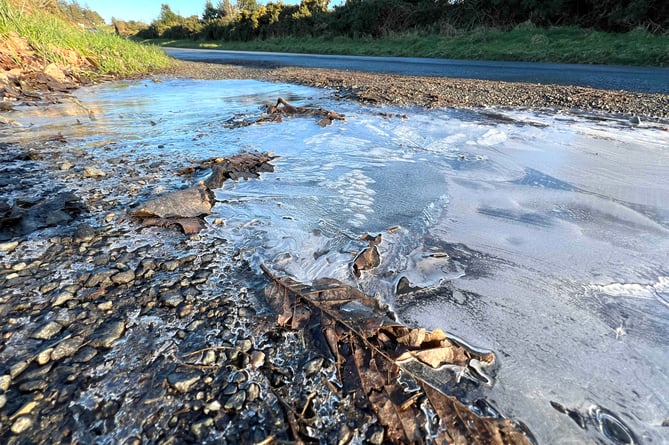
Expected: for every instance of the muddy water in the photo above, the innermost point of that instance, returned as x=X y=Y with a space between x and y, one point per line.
x=544 y=237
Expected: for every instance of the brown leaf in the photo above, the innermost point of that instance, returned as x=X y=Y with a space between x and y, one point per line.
x=368 y=346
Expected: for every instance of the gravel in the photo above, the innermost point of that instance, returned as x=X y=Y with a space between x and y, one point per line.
x=446 y=92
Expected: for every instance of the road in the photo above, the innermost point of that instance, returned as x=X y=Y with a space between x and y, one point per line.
x=636 y=79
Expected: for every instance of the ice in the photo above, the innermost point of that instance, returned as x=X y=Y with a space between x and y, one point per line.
x=542 y=237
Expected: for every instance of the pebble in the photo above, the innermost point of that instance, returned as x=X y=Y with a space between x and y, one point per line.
x=170 y=266
x=5 y=382
x=236 y=401
x=107 y=333
x=253 y=392
x=257 y=359
x=84 y=233
x=17 y=368
x=313 y=366
x=62 y=297
x=44 y=357
x=67 y=348
x=182 y=382
x=47 y=331
x=3 y=400
x=171 y=298
x=198 y=428
x=212 y=406
x=9 y=246
x=209 y=358
x=123 y=277
x=21 y=424
x=92 y=172
x=26 y=408
x=97 y=278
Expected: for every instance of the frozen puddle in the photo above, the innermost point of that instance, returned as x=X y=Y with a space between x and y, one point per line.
x=542 y=237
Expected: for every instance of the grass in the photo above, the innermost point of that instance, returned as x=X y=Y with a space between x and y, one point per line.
x=525 y=43
x=52 y=37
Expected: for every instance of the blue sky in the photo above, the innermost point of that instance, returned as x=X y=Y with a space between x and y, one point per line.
x=148 y=10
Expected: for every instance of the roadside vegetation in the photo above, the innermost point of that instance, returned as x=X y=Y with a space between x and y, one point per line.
x=57 y=36
x=587 y=31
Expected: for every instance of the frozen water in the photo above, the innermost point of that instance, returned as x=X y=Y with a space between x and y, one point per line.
x=544 y=237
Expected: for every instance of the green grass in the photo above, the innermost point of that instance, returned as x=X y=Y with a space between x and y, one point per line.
x=525 y=43
x=49 y=35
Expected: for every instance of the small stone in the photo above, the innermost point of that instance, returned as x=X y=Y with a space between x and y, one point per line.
x=92 y=172
x=172 y=298
x=213 y=406
x=209 y=358
x=245 y=345
x=18 y=267
x=21 y=424
x=184 y=310
x=25 y=409
x=110 y=217
x=9 y=246
x=375 y=435
x=3 y=400
x=67 y=348
x=636 y=120
x=105 y=306
x=33 y=385
x=5 y=382
x=313 y=366
x=257 y=359
x=198 y=429
x=85 y=355
x=170 y=265
x=236 y=401
x=44 y=357
x=124 y=277
x=84 y=233
x=107 y=333
x=47 y=331
x=253 y=392
x=62 y=297
x=17 y=368
x=182 y=382
x=98 y=278
x=66 y=165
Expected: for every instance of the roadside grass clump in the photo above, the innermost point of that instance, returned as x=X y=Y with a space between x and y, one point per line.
x=525 y=42
x=53 y=38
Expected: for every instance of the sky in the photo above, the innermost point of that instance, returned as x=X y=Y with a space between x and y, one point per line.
x=148 y=10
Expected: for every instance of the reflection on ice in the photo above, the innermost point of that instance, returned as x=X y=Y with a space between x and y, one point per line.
x=542 y=237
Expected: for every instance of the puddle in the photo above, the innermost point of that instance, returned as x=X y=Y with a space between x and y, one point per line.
x=544 y=237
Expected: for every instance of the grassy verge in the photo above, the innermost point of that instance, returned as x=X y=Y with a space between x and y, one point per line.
x=531 y=44
x=52 y=37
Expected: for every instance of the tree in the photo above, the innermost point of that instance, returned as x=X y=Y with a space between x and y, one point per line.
x=247 y=5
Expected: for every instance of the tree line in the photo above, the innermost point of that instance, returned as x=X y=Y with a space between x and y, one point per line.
x=247 y=20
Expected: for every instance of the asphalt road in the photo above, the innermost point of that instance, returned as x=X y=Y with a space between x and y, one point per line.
x=640 y=79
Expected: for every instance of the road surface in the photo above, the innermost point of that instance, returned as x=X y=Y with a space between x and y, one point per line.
x=639 y=79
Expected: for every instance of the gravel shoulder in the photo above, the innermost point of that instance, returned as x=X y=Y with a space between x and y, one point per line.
x=434 y=92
